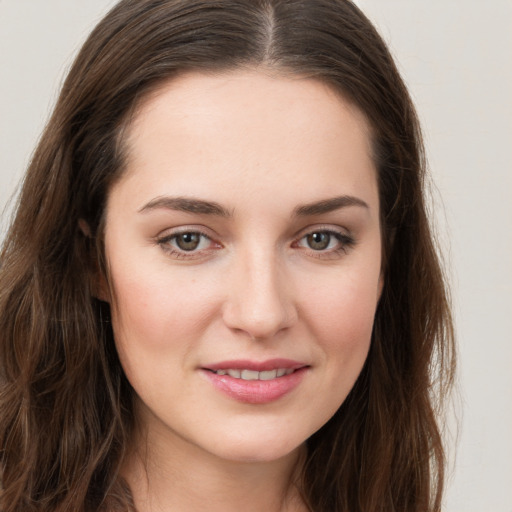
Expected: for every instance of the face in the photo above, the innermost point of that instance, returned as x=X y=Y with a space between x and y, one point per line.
x=243 y=243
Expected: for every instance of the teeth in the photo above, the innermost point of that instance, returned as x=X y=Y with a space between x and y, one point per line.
x=249 y=375
x=272 y=374
x=254 y=375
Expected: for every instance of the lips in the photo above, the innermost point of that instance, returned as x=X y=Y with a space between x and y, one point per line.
x=246 y=374
x=256 y=382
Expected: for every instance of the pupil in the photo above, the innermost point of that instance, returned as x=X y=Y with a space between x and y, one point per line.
x=319 y=241
x=188 y=241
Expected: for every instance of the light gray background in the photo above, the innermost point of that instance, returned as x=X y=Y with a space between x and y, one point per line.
x=456 y=58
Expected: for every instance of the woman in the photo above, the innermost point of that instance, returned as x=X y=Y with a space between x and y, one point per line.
x=220 y=285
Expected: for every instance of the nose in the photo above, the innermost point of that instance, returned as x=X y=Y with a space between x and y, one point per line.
x=260 y=301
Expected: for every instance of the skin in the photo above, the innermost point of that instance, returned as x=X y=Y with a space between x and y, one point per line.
x=259 y=145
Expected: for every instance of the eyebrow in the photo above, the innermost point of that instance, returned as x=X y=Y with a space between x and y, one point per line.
x=328 y=205
x=186 y=204
x=202 y=207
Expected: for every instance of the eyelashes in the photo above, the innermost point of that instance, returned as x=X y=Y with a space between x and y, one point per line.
x=192 y=244
x=188 y=244
x=325 y=242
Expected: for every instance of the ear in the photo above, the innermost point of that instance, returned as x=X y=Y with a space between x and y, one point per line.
x=84 y=228
x=98 y=281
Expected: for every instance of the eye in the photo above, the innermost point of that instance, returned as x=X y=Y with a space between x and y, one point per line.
x=325 y=241
x=186 y=243
x=319 y=241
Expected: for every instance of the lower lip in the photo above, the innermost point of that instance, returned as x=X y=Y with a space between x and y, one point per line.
x=256 y=391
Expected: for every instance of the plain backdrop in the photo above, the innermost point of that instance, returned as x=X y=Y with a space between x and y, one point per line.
x=456 y=57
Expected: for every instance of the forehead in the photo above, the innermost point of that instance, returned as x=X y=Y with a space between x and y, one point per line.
x=246 y=130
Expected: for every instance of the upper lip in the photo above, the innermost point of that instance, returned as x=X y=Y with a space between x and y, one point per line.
x=258 y=366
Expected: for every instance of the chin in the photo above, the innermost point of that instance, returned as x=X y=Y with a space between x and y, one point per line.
x=260 y=447
x=251 y=455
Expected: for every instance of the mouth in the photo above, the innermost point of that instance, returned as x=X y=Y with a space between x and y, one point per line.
x=246 y=374
x=256 y=370
x=256 y=382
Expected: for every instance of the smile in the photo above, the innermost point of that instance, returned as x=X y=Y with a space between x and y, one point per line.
x=256 y=382
x=255 y=375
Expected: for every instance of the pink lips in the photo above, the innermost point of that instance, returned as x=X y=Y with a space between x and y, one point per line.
x=256 y=391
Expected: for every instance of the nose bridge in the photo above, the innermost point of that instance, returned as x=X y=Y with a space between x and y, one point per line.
x=259 y=299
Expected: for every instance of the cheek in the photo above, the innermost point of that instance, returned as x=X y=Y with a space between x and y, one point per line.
x=154 y=308
x=341 y=313
x=340 y=316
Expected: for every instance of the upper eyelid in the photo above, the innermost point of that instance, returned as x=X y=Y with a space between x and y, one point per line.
x=325 y=228
x=172 y=236
x=170 y=232
x=343 y=238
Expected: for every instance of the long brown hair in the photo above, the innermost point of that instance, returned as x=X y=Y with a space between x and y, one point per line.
x=66 y=414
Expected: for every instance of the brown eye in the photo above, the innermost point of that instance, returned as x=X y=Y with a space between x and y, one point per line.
x=326 y=242
x=188 y=245
x=188 y=241
x=318 y=241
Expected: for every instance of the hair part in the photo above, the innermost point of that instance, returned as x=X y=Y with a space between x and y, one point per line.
x=65 y=405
